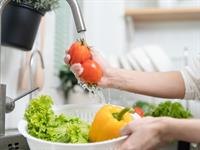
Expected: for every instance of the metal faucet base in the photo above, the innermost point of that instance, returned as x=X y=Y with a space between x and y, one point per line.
x=13 y=141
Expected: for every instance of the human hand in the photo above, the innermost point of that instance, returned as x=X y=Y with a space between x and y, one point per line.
x=77 y=69
x=144 y=134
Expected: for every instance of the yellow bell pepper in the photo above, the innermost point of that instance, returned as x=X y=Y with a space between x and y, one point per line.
x=108 y=122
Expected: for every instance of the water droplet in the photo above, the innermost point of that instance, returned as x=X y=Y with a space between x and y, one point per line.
x=94 y=91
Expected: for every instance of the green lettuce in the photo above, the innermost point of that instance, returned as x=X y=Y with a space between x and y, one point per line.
x=171 y=109
x=43 y=123
x=168 y=109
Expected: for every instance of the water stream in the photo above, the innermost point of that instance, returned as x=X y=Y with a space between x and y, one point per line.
x=93 y=91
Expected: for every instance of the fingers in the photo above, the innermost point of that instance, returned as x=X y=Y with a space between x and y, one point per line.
x=128 y=144
x=98 y=57
x=77 y=69
x=67 y=58
x=127 y=129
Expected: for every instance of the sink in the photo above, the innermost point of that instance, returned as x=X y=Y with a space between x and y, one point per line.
x=13 y=140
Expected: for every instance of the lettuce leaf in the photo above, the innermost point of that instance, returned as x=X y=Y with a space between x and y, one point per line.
x=171 y=109
x=43 y=123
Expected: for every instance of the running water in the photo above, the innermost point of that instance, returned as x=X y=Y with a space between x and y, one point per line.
x=94 y=92
x=81 y=35
x=109 y=97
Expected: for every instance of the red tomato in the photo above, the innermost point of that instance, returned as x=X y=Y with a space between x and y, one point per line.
x=92 y=72
x=79 y=52
x=139 y=111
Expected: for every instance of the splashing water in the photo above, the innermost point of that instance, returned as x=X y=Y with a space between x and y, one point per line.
x=109 y=97
x=94 y=92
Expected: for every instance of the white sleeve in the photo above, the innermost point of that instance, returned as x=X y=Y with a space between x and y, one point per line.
x=191 y=77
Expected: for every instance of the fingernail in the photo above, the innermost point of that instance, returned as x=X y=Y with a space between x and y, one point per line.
x=80 y=71
x=68 y=57
x=79 y=65
x=66 y=51
x=65 y=60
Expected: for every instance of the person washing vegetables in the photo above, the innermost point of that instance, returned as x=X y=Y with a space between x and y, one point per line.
x=148 y=133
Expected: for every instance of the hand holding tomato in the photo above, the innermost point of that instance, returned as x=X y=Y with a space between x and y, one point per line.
x=79 y=52
x=106 y=69
x=83 y=63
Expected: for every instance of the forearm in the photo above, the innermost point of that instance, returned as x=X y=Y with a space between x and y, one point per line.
x=182 y=129
x=166 y=85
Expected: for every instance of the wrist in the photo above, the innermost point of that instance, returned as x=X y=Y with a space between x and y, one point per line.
x=166 y=130
x=114 y=78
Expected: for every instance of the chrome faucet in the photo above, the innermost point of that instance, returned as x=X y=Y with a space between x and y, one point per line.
x=77 y=15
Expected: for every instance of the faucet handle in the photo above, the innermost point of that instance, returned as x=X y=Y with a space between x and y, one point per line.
x=24 y=94
x=10 y=103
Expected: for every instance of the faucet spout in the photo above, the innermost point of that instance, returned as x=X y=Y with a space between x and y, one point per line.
x=30 y=67
x=3 y=3
x=78 y=18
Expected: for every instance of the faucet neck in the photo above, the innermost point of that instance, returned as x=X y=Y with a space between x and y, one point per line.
x=77 y=15
x=2 y=108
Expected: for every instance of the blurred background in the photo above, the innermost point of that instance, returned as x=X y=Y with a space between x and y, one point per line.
x=145 y=35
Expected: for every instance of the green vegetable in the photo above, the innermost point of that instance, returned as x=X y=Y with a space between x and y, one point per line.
x=145 y=106
x=170 y=109
x=43 y=123
x=40 y=4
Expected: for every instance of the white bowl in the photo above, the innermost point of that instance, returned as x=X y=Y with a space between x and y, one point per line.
x=85 y=112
